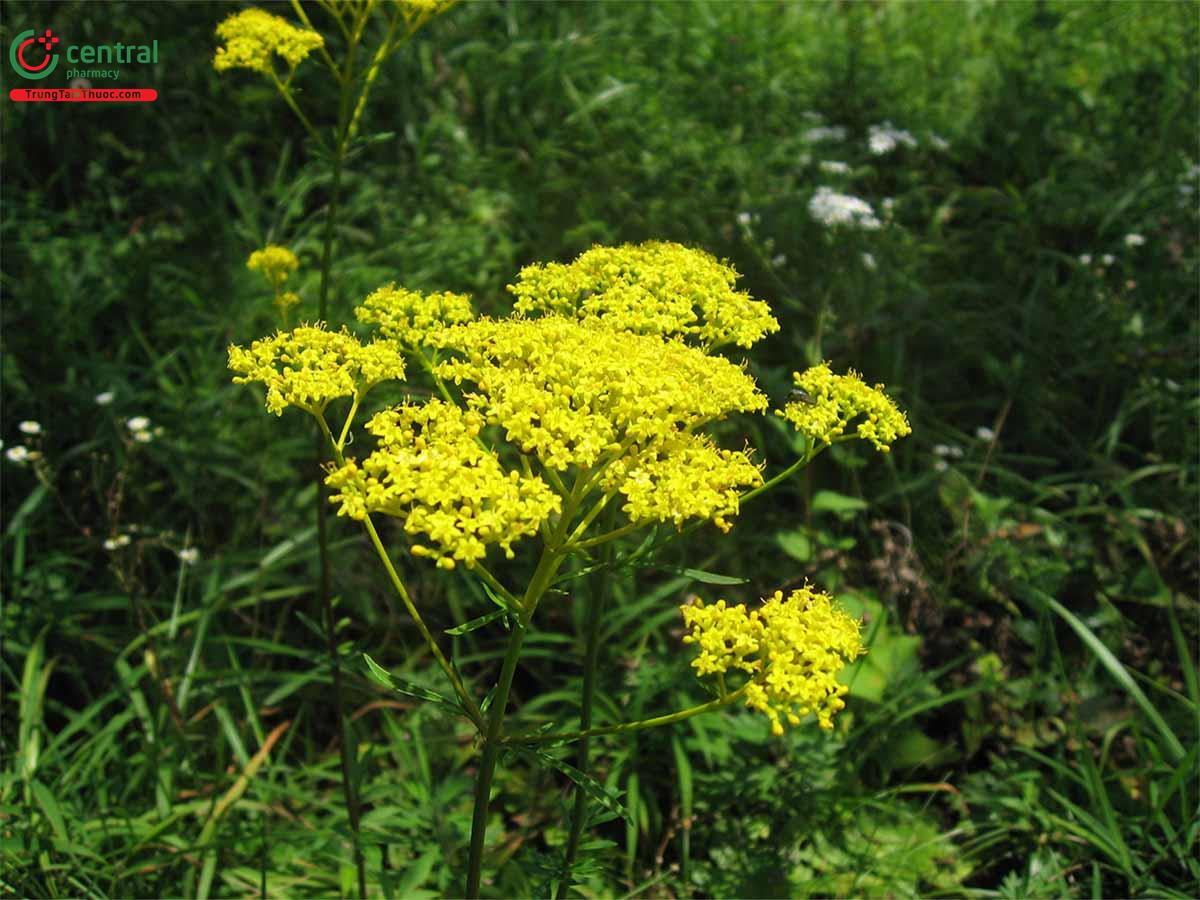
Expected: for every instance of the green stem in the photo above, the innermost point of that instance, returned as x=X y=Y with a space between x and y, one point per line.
x=324 y=586
x=491 y=753
x=468 y=702
x=627 y=727
x=543 y=575
x=595 y=605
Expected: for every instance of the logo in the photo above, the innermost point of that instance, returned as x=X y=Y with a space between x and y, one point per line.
x=24 y=56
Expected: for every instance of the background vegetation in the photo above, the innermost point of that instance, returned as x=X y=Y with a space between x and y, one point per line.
x=1026 y=721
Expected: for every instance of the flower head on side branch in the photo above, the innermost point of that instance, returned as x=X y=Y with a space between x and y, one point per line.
x=830 y=403
x=309 y=366
x=791 y=647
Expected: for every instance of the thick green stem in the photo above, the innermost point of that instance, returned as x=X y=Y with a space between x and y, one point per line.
x=487 y=763
x=595 y=605
x=543 y=575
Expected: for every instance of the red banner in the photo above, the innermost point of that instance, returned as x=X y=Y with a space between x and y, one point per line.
x=83 y=95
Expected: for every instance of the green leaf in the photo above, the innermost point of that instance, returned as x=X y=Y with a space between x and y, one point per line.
x=50 y=807
x=711 y=577
x=384 y=678
x=476 y=624
x=839 y=504
x=795 y=544
x=594 y=789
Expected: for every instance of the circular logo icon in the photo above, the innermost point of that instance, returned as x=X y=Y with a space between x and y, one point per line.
x=33 y=57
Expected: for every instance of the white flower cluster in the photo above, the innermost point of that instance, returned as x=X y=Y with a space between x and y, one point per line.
x=830 y=208
x=885 y=138
x=139 y=426
x=21 y=454
x=822 y=133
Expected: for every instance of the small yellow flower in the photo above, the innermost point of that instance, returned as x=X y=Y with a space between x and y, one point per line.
x=410 y=317
x=791 y=647
x=275 y=263
x=431 y=472
x=652 y=288
x=832 y=402
x=309 y=366
x=253 y=35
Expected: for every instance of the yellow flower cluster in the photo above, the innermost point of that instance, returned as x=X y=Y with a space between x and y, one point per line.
x=792 y=647
x=275 y=263
x=652 y=288
x=569 y=392
x=253 y=35
x=831 y=402
x=430 y=470
x=410 y=317
x=683 y=477
x=420 y=10
x=309 y=366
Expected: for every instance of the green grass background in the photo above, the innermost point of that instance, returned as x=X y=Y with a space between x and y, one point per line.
x=1026 y=722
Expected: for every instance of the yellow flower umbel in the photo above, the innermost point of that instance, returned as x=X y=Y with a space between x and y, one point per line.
x=576 y=395
x=253 y=35
x=652 y=288
x=410 y=317
x=431 y=472
x=309 y=366
x=791 y=647
x=830 y=403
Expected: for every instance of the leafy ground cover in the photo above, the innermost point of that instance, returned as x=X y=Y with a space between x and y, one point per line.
x=990 y=207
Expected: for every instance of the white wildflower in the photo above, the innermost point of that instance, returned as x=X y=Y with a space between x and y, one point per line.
x=743 y=219
x=143 y=436
x=121 y=540
x=822 y=133
x=868 y=262
x=1134 y=240
x=829 y=207
x=1108 y=259
x=30 y=427
x=105 y=398
x=834 y=167
x=189 y=556
x=18 y=454
x=985 y=434
x=1085 y=258
x=137 y=423
x=779 y=260
x=887 y=137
